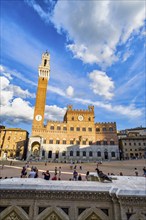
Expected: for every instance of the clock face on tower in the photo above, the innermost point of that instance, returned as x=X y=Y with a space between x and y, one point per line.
x=38 y=117
x=80 y=118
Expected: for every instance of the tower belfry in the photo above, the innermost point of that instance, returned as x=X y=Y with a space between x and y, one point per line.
x=43 y=77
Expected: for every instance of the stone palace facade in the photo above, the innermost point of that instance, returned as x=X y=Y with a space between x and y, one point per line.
x=77 y=138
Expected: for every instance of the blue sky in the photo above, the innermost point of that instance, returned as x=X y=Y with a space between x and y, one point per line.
x=97 y=51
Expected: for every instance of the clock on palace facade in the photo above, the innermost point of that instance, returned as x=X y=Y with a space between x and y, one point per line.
x=80 y=117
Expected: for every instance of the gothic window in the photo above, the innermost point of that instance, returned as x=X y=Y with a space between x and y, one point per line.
x=71 y=128
x=50 y=154
x=9 y=138
x=64 y=128
x=72 y=118
x=78 y=153
x=77 y=142
x=57 y=141
x=52 y=127
x=89 y=129
x=71 y=142
x=112 y=143
x=84 y=153
x=110 y=129
x=58 y=128
x=98 y=154
x=43 y=153
x=84 y=142
x=71 y=153
x=64 y=153
x=90 y=154
x=104 y=142
x=97 y=129
x=104 y=129
x=83 y=129
x=90 y=142
x=98 y=142
x=64 y=142
x=113 y=154
x=44 y=141
x=89 y=119
x=45 y=62
x=77 y=129
x=50 y=141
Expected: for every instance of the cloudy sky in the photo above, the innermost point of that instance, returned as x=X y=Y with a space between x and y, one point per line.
x=97 y=51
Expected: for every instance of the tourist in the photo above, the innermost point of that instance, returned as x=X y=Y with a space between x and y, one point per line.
x=59 y=172
x=54 y=177
x=46 y=175
x=144 y=171
x=75 y=175
x=80 y=167
x=79 y=177
x=136 y=172
x=87 y=176
x=32 y=173
x=23 y=173
x=121 y=174
x=55 y=170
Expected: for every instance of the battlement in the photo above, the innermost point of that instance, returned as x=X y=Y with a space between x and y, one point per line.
x=90 y=109
x=105 y=123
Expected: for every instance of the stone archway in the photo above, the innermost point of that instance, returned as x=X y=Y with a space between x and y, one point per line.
x=52 y=213
x=13 y=212
x=35 y=149
x=137 y=216
x=93 y=214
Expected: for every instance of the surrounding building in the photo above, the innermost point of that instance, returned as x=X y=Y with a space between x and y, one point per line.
x=13 y=143
x=132 y=143
x=77 y=137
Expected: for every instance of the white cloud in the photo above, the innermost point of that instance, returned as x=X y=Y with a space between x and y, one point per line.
x=54 y=113
x=13 y=108
x=101 y=84
x=97 y=27
x=16 y=111
x=128 y=111
x=70 y=91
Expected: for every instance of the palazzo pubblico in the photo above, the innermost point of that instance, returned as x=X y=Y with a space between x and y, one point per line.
x=77 y=138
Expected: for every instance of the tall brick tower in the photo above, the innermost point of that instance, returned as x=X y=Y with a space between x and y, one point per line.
x=43 y=77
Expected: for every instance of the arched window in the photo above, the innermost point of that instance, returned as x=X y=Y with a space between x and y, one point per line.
x=105 y=142
x=90 y=154
x=113 y=154
x=64 y=153
x=98 y=154
x=50 y=154
x=78 y=153
x=71 y=153
x=110 y=129
x=84 y=153
x=97 y=129
x=43 y=153
x=104 y=129
x=112 y=142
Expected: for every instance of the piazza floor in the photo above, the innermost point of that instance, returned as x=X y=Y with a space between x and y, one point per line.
x=127 y=167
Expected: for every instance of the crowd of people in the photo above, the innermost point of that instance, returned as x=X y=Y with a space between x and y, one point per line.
x=33 y=172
